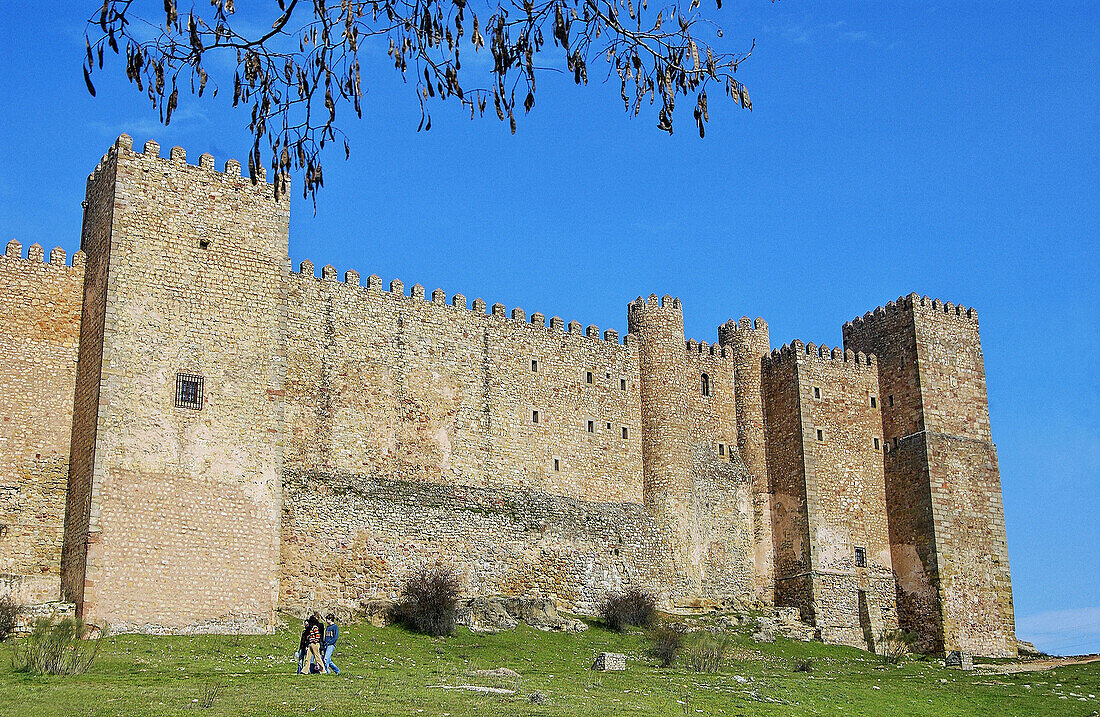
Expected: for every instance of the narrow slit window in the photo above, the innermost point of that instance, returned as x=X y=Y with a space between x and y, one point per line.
x=557 y=465
x=874 y=402
x=721 y=449
x=877 y=446
x=622 y=384
x=588 y=377
x=534 y=365
x=591 y=426
x=189 y=391
x=705 y=381
x=861 y=557
x=817 y=392
x=890 y=400
x=626 y=433
x=820 y=435
x=609 y=426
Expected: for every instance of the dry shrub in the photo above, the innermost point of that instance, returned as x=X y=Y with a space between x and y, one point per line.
x=430 y=600
x=57 y=648
x=667 y=642
x=804 y=664
x=9 y=614
x=633 y=607
x=892 y=645
x=706 y=652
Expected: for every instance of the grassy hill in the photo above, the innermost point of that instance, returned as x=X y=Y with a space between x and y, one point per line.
x=389 y=671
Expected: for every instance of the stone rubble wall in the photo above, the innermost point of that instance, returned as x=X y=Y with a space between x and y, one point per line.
x=182 y=521
x=40 y=303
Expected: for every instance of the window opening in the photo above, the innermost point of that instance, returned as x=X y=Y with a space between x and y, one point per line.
x=588 y=377
x=861 y=558
x=591 y=426
x=534 y=416
x=534 y=365
x=820 y=435
x=625 y=433
x=189 y=391
x=706 y=384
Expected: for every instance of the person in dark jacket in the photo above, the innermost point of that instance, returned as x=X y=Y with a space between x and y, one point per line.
x=314 y=631
x=332 y=634
x=303 y=645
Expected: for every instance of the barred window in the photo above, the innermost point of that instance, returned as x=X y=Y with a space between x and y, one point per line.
x=861 y=558
x=189 y=391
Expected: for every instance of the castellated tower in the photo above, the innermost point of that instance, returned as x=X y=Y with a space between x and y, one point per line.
x=695 y=483
x=832 y=554
x=172 y=518
x=750 y=343
x=947 y=529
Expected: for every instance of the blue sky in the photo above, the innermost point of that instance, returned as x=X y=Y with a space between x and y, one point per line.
x=950 y=150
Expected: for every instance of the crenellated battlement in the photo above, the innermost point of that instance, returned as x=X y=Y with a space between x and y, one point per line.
x=798 y=351
x=36 y=255
x=497 y=311
x=704 y=348
x=231 y=169
x=911 y=302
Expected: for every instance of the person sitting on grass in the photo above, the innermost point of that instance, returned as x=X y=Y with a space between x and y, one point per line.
x=332 y=634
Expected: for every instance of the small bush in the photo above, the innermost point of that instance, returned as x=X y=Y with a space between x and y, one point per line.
x=631 y=608
x=892 y=645
x=706 y=652
x=805 y=664
x=430 y=601
x=9 y=613
x=666 y=645
x=57 y=648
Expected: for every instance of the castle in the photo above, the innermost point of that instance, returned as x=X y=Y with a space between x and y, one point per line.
x=193 y=436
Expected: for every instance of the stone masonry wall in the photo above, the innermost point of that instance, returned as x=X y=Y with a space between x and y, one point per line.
x=890 y=336
x=750 y=342
x=384 y=384
x=948 y=466
x=786 y=460
x=183 y=521
x=845 y=492
x=39 y=330
x=391 y=389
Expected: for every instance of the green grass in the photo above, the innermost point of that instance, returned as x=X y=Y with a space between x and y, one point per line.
x=390 y=671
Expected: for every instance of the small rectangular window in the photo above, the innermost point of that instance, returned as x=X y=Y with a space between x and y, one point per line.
x=874 y=402
x=189 y=391
x=534 y=365
x=895 y=442
x=557 y=465
x=534 y=416
x=608 y=375
x=622 y=384
x=626 y=433
x=609 y=426
x=820 y=435
x=721 y=449
x=591 y=426
x=890 y=400
x=877 y=446
x=817 y=392
x=588 y=377
x=861 y=558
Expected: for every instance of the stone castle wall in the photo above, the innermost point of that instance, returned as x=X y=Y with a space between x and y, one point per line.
x=350 y=433
x=946 y=511
x=39 y=331
x=182 y=529
x=838 y=436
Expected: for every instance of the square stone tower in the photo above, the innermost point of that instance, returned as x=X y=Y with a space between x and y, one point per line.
x=172 y=518
x=832 y=558
x=943 y=487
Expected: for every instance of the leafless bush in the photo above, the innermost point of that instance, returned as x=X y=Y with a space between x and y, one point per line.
x=57 y=648
x=706 y=652
x=633 y=607
x=430 y=600
x=667 y=642
x=9 y=613
x=893 y=645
